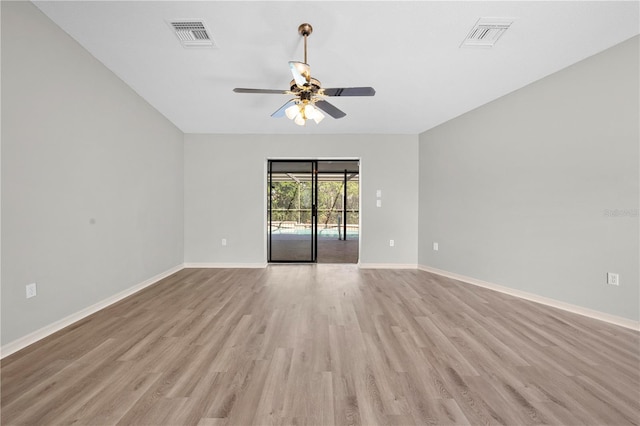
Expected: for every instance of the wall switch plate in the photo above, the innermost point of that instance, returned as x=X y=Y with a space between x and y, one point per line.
x=613 y=279
x=379 y=193
x=224 y=241
x=32 y=290
x=435 y=246
x=392 y=243
x=378 y=203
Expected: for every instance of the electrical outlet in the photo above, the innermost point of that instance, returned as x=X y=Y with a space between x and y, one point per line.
x=392 y=243
x=613 y=279
x=435 y=246
x=379 y=193
x=378 y=203
x=32 y=290
x=224 y=241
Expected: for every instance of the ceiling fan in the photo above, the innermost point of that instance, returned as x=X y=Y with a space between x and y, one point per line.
x=309 y=101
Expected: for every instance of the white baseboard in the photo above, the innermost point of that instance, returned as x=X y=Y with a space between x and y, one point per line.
x=31 y=338
x=226 y=265
x=602 y=316
x=387 y=266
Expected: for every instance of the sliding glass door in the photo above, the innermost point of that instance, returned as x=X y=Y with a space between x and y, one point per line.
x=292 y=211
x=313 y=211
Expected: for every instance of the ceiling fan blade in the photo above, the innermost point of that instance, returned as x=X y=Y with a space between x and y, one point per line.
x=330 y=109
x=275 y=91
x=280 y=112
x=350 y=91
x=301 y=73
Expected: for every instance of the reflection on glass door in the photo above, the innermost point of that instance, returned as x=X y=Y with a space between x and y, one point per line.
x=292 y=200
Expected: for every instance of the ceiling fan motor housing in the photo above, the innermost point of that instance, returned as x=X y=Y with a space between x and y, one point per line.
x=311 y=88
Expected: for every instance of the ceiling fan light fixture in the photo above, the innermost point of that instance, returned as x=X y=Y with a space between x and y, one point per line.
x=303 y=111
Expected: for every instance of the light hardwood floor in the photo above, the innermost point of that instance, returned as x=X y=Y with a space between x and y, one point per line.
x=325 y=344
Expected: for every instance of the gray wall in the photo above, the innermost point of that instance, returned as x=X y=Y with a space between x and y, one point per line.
x=225 y=193
x=522 y=192
x=92 y=178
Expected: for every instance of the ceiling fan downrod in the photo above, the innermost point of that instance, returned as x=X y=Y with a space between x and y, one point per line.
x=305 y=30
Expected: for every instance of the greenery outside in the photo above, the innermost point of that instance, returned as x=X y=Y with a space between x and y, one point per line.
x=291 y=204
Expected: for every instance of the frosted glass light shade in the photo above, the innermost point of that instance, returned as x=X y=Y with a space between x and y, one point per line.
x=292 y=111
x=299 y=120
x=318 y=116
x=309 y=110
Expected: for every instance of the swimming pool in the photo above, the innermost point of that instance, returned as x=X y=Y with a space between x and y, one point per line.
x=322 y=232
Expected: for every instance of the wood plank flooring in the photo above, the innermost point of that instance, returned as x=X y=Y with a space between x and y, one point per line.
x=322 y=345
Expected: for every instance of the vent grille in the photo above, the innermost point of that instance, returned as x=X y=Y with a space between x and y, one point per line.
x=192 y=33
x=486 y=32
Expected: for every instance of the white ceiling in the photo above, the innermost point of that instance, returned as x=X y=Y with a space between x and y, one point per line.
x=408 y=51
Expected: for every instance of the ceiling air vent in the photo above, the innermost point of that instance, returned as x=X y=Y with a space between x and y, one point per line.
x=486 y=32
x=192 y=33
